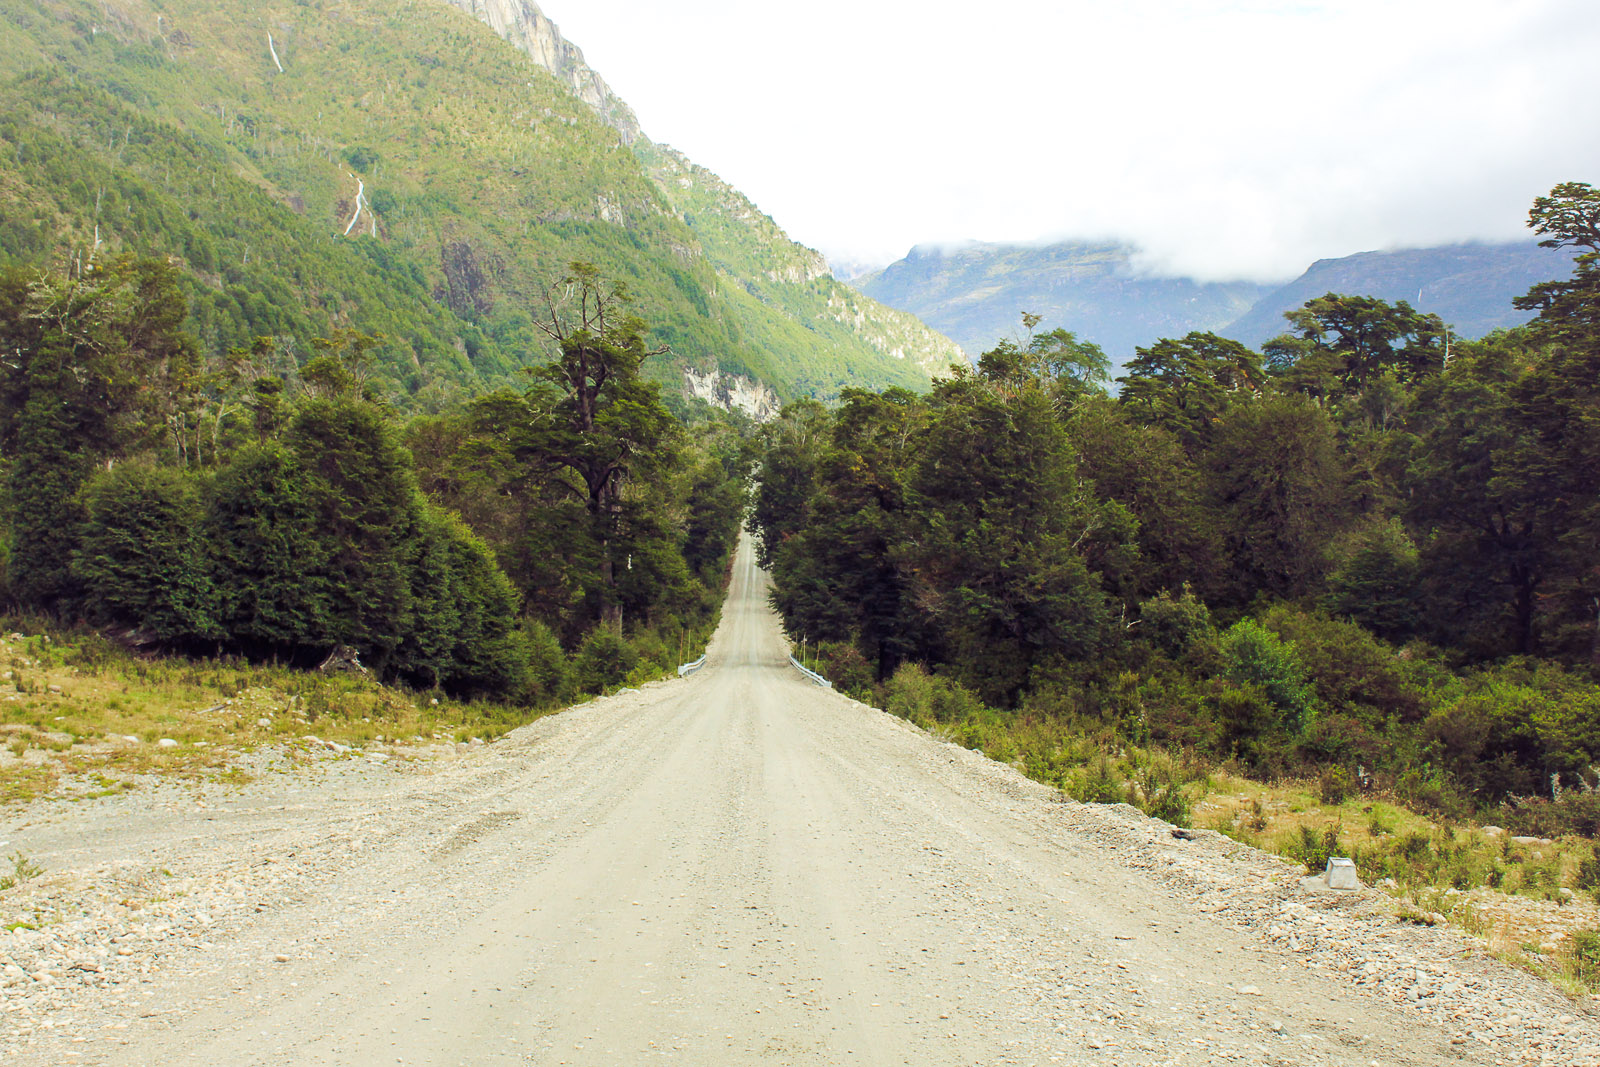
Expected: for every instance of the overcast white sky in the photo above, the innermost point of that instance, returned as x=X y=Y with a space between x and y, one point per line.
x=1228 y=138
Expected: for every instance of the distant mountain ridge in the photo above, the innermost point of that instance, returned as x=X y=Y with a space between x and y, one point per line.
x=1469 y=286
x=976 y=294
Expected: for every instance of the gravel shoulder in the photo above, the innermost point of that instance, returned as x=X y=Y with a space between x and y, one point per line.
x=732 y=868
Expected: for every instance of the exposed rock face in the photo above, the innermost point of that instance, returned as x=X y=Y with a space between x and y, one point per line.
x=524 y=25
x=732 y=392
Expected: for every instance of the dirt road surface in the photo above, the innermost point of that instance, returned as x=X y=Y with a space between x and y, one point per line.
x=734 y=868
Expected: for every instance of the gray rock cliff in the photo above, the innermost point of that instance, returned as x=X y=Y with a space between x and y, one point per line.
x=522 y=24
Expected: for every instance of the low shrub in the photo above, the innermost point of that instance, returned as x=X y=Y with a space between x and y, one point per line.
x=604 y=660
x=843 y=664
x=1334 y=785
x=1313 y=847
x=1098 y=783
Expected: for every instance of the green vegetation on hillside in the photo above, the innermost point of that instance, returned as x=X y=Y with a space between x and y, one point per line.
x=167 y=130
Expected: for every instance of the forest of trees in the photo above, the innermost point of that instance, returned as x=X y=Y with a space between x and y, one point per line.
x=1371 y=550
x=523 y=545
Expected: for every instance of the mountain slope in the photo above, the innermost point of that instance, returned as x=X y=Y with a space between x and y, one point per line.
x=977 y=293
x=390 y=167
x=1470 y=286
x=747 y=248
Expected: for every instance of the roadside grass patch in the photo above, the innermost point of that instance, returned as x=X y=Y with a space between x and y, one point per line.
x=80 y=717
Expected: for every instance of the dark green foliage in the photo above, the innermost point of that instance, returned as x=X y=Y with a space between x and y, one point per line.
x=1340 y=344
x=1377 y=582
x=96 y=364
x=464 y=636
x=551 y=678
x=1277 y=476
x=140 y=557
x=272 y=566
x=844 y=666
x=998 y=523
x=1175 y=625
x=604 y=659
x=363 y=504
x=318 y=536
x=1059 y=556
x=1145 y=469
x=1185 y=386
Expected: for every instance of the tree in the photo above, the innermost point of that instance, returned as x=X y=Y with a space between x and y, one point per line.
x=1184 y=386
x=997 y=517
x=362 y=497
x=1375 y=583
x=606 y=422
x=88 y=376
x=1568 y=309
x=792 y=447
x=1276 y=475
x=1145 y=469
x=1056 y=362
x=140 y=558
x=1338 y=344
x=273 y=572
x=837 y=577
x=1483 y=544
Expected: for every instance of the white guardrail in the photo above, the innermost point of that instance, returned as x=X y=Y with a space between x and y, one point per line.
x=689 y=668
x=809 y=673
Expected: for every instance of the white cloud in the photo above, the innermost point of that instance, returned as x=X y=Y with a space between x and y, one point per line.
x=1228 y=138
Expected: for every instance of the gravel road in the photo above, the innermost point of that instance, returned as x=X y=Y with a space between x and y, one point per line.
x=734 y=868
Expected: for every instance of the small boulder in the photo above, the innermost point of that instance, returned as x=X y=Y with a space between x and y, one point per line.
x=167 y=742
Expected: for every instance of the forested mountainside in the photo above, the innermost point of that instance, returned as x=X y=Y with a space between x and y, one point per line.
x=1469 y=286
x=1367 y=551
x=975 y=293
x=395 y=169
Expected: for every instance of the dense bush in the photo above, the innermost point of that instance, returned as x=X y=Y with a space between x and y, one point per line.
x=140 y=557
x=603 y=660
x=1255 y=656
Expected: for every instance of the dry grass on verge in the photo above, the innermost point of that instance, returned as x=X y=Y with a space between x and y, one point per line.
x=80 y=717
x=1518 y=895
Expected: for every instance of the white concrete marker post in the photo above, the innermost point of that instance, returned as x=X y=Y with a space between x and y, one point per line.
x=1341 y=873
